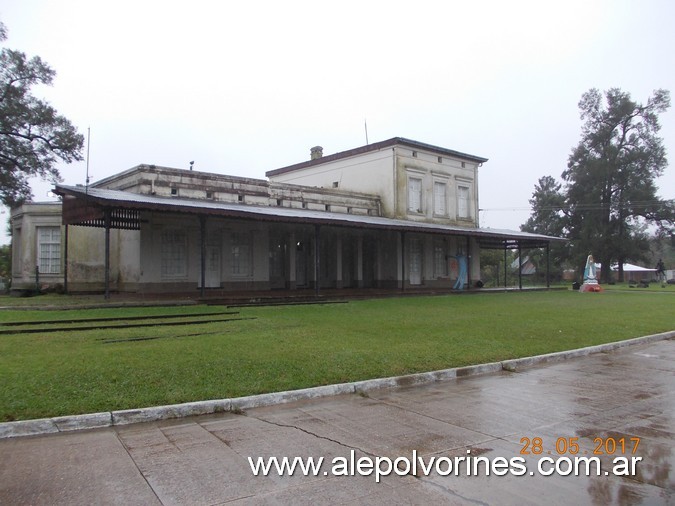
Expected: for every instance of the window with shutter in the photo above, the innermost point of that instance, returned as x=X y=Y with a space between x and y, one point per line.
x=414 y=195
x=463 y=207
x=439 y=199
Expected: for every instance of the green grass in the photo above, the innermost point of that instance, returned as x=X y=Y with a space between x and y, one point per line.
x=653 y=287
x=290 y=347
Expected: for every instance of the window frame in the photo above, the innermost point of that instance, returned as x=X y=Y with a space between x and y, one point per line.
x=174 y=253
x=468 y=215
x=241 y=248
x=444 y=200
x=48 y=262
x=440 y=259
x=409 y=205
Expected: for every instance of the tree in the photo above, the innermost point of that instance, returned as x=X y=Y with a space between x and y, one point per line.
x=548 y=208
x=549 y=217
x=33 y=136
x=5 y=262
x=611 y=176
x=661 y=247
x=609 y=192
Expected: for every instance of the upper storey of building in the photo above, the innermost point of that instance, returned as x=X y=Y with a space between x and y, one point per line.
x=397 y=178
x=415 y=181
x=188 y=184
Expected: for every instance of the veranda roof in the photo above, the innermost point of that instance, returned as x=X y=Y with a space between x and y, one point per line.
x=86 y=206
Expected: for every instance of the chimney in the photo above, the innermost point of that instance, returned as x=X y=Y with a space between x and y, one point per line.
x=316 y=152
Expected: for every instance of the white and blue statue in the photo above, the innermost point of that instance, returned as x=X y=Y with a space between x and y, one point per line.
x=590 y=272
x=590 y=277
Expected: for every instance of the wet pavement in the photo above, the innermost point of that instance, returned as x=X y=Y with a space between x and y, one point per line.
x=599 y=406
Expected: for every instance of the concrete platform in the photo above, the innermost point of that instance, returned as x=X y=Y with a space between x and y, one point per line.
x=624 y=394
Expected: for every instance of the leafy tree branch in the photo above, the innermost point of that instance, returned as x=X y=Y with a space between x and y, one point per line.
x=34 y=137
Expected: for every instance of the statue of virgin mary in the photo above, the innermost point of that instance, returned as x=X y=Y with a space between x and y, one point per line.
x=590 y=272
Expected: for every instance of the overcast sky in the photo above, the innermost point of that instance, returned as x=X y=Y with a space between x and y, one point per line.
x=249 y=86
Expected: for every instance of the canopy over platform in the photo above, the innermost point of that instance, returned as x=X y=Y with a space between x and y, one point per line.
x=88 y=207
x=115 y=209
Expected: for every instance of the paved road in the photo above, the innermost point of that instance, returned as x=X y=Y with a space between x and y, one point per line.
x=615 y=396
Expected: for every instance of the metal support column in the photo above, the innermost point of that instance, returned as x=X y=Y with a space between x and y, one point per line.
x=359 y=261
x=202 y=254
x=548 y=266
x=65 y=263
x=107 y=253
x=403 y=261
x=468 y=262
x=317 y=259
x=520 y=267
x=506 y=270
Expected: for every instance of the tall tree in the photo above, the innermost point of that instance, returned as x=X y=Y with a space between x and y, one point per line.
x=549 y=217
x=548 y=208
x=5 y=262
x=610 y=177
x=33 y=136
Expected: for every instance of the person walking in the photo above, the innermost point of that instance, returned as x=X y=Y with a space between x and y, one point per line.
x=661 y=271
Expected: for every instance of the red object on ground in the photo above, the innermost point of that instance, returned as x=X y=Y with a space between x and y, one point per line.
x=590 y=288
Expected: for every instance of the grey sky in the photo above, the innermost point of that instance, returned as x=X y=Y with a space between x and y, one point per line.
x=246 y=87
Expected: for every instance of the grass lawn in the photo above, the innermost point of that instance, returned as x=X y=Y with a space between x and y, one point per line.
x=289 y=347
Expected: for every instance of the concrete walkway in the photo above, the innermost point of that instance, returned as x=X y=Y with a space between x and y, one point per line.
x=616 y=396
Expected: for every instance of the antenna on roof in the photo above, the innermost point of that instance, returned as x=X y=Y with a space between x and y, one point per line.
x=86 y=180
x=365 y=124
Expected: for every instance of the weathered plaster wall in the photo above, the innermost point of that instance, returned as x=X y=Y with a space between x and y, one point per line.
x=220 y=235
x=369 y=173
x=168 y=182
x=430 y=168
x=86 y=257
x=25 y=220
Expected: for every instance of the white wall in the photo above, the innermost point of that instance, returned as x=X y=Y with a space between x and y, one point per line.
x=430 y=168
x=367 y=173
x=25 y=220
x=386 y=172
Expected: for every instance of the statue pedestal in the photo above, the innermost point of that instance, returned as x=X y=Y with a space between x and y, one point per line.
x=592 y=286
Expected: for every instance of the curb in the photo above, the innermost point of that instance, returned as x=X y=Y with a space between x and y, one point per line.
x=155 y=413
x=519 y=363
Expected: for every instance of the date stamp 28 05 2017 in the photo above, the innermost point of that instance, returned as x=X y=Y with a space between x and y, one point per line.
x=570 y=446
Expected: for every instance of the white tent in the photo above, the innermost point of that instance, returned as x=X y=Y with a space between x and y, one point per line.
x=632 y=272
x=632 y=268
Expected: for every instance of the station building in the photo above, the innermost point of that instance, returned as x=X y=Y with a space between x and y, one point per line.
x=393 y=215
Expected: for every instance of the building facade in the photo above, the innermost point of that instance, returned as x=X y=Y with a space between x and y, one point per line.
x=398 y=214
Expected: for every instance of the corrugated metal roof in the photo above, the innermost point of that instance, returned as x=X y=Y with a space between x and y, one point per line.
x=116 y=198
